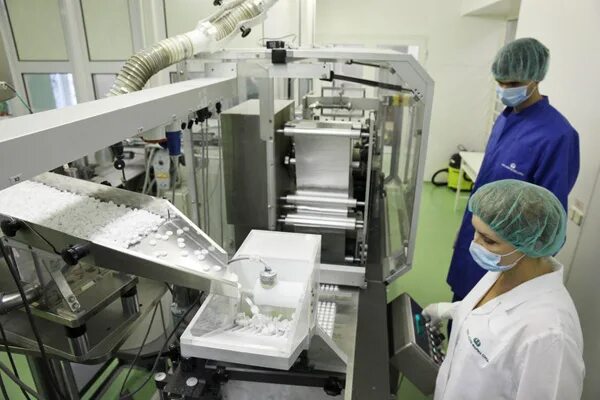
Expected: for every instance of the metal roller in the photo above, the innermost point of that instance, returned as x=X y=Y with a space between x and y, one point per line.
x=315 y=221
x=325 y=200
x=343 y=132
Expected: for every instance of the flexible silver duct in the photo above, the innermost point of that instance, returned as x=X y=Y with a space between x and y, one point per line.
x=147 y=62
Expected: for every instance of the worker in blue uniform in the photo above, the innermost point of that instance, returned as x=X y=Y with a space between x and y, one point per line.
x=530 y=141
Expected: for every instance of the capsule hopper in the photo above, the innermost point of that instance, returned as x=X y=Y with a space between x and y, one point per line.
x=121 y=230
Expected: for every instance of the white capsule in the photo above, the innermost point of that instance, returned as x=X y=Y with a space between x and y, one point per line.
x=206 y=268
x=181 y=245
x=169 y=233
x=180 y=240
x=217 y=268
x=152 y=243
x=201 y=257
x=165 y=237
x=204 y=251
x=179 y=232
x=197 y=252
x=186 y=229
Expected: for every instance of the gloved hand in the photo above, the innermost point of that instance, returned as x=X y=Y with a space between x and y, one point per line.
x=438 y=312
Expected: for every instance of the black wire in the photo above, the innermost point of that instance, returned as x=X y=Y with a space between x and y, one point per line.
x=3 y=388
x=12 y=267
x=10 y=358
x=151 y=374
x=140 y=349
x=170 y=289
x=19 y=382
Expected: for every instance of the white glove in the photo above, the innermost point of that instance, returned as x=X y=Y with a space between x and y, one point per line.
x=438 y=312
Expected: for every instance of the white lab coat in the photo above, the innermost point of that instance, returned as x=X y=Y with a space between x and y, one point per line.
x=523 y=345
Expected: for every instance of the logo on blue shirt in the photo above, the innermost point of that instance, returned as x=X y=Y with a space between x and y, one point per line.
x=513 y=168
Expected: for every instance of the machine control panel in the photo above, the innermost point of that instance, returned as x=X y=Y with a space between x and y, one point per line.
x=416 y=344
x=428 y=335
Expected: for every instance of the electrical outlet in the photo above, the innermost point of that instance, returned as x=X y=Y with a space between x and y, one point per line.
x=576 y=215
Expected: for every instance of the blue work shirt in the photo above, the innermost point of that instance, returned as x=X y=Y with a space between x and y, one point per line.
x=536 y=145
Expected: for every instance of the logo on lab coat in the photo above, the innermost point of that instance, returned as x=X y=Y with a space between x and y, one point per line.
x=513 y=168
x=476 y=343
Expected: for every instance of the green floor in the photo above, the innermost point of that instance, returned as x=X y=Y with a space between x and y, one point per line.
x=426 y=283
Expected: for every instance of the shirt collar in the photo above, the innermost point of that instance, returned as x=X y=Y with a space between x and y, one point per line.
x=534 y=288
x=543 y=103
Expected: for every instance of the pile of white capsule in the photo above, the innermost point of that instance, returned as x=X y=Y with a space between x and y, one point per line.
x=78 y=215
x=260 y=324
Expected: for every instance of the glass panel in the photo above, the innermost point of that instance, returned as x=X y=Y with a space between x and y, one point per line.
x=49 y=91
x=183 y=16
x=102 y=84
x=37 y=30
x=107 y=29
x=401 y=152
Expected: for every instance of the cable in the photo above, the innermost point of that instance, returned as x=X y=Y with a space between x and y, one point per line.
x=262 y=40
x=10 y=358
x=155 y=365
x=19 y=382
x=249 y=258
x=137 y=355
x=12 y=267
x=3 y=388
x=8 y=85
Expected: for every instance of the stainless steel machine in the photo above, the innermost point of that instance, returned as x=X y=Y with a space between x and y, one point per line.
x=321 y=194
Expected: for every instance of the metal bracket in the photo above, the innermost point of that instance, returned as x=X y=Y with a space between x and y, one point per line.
x=63 y=287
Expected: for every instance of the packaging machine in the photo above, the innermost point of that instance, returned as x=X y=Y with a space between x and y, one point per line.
x=320 y=203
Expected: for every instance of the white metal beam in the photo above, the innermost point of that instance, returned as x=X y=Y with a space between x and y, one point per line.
x=36 y=143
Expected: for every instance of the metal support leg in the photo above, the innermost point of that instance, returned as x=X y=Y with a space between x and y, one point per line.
x=78 y=339
x=129 y=301
x=66 y=379
x=40 y=378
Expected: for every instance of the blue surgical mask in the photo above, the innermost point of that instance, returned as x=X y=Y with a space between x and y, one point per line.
x=512 y=97
x=488 y=260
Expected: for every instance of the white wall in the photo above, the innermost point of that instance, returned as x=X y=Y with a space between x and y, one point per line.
x=572 y=85
x=460 y=51
x=572 y=82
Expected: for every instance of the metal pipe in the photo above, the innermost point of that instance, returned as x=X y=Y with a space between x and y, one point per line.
x=310 y=200
x=12 y=301
x=315 y=221
x=290 y=131
x=145 y=63
x=317 y=210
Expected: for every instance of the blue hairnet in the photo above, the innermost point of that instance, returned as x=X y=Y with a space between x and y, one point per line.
x=521 y=60
x=525 y=215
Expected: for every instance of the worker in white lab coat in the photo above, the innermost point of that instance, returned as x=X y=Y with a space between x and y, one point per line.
x=516 y=335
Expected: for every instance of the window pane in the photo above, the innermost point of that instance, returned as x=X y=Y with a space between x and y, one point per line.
x=107 y=29
x=102 y=84
x=37 y=30
x=49 y=91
